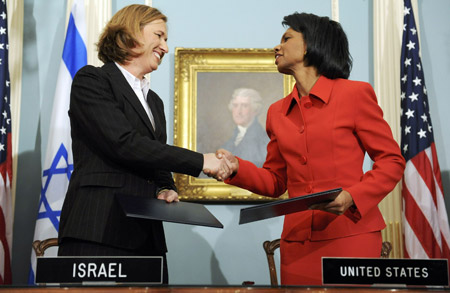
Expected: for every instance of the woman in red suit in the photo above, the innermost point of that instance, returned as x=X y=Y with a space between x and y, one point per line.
x=319 y=135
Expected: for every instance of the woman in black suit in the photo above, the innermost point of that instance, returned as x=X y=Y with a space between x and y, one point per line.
x=118 y=131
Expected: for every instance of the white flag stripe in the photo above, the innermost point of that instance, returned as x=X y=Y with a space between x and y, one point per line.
x=412 y=244
x=78 y=12
x=5 y=205
x=2 y=256
x=421 y=194
x=60 y=119
x=442 y=211
x=8 y=214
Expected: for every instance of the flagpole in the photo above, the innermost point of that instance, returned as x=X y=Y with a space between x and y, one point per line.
x=15 y=21
x=387 y=26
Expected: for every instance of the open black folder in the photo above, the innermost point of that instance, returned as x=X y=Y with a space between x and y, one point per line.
x=176 y=212
x=287 y=206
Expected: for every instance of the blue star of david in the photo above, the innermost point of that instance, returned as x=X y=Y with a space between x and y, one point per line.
x=53 y=170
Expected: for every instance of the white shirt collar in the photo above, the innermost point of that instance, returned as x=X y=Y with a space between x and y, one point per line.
x=134 y=82
x=140 y=88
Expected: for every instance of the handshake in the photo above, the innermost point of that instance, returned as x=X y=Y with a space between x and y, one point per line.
x=220 y=165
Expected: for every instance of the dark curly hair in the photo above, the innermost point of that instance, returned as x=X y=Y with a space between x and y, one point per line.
x=326 y=43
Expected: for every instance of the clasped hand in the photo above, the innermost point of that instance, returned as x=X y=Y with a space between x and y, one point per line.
x=220 y=165
x=338 y=206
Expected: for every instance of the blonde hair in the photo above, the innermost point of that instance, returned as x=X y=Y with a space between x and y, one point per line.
x=120 y=34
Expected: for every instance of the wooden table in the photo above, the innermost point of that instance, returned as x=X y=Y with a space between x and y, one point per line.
x=214 y=289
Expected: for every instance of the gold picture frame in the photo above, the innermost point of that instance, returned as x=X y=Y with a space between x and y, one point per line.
x=204 y=80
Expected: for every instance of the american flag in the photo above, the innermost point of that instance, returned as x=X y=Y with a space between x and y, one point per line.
x=426 y=228
x=5 y=153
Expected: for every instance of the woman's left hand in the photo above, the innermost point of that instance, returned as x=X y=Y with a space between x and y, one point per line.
x=168 y=195
x=338 y=206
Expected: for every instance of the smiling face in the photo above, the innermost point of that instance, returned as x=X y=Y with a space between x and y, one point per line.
x=290 y=53
x=153 y=46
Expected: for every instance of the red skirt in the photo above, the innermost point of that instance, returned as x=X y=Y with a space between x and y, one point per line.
x=301 y=262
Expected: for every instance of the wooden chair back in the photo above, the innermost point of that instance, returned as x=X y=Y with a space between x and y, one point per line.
x=271 y=246
x=40 y=246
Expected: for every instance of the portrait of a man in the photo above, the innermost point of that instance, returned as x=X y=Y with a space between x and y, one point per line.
x=221 y=101
x=232 y=109
x=249 y=139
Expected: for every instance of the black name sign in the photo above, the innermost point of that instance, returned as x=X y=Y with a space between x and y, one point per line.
x=99 y=269
x=427 y=272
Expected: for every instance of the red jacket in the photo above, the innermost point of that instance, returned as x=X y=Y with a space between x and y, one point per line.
x=319 y=142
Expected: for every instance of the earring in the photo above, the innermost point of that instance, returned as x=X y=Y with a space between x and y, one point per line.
x=305 y=52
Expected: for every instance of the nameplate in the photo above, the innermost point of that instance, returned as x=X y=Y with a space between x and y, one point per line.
x=356 y=271
x=98 y=269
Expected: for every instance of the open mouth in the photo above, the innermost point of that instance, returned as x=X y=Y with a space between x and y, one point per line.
x=276 y=57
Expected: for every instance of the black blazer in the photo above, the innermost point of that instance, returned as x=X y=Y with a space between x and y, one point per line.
x=116 y=150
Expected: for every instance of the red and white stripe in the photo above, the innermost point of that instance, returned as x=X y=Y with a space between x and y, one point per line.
x=426 y=228
x=6 y=220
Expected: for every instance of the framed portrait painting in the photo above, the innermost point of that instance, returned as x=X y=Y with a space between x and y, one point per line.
x=210 y=86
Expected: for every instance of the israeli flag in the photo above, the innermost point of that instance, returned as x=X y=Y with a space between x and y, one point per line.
x=58 y=164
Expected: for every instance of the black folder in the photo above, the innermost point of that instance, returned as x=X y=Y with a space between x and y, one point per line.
x=287 y=206
x=176 y=212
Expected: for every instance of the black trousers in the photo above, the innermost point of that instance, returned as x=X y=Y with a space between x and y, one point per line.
x=77 y=247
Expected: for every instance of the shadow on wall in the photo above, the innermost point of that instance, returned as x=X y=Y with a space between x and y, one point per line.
x=191 y=259
x=28 y=173
x=27 y=199
x=241 y=247
x=220 y=257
